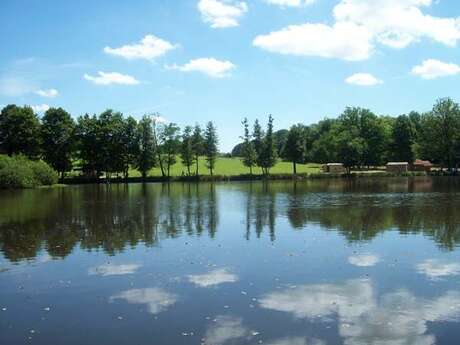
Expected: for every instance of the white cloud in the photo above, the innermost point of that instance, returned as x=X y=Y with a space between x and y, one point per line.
x=397 y=318
x=226 y=329
x=212 y=67
x=213 y=278
x=397 y=23
x=104 y=78
x=156 y=299
x=364 y=260
x=435 y=269
x=290 y=3
x=363 y=79
x=432 y=69
x=111 y=270
x=346 y=41
x=222 y=13
x=49 y=93
x=40 y=108
x=359 y=26
x=149 y=48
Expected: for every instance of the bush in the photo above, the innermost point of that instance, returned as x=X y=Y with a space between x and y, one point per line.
x=20 y=172
x=43 y=173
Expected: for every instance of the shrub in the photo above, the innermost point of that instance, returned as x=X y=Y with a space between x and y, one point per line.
x=44 y=175
x=20 y=172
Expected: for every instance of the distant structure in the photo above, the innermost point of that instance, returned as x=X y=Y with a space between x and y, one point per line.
x=334 y=168
x=397 y=167
x=421 y=165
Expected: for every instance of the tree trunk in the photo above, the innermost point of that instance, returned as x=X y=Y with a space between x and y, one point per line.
x=160 y=161
x=197 y=171
x=294 y=166
x=250 y=170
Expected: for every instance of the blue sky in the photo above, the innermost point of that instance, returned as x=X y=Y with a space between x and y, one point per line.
x=200 y=60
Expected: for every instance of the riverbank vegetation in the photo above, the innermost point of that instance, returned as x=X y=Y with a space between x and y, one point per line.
x=111 y=145
x=21 y=172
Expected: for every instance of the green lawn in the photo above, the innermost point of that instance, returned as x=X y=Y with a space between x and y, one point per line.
x=233 y=166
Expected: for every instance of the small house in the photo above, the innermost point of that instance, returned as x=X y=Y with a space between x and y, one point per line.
x=421 y=165
x=397 y=167
x=334 y=168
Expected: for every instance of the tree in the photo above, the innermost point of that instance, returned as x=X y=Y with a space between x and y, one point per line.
x=58 y=137
x=88 y=145
x=295 y=147
x=402 y=140
x=111 y=140
x=258 y=138
x=169 y=139
x=446 y=114
x=268 y=155
x=146 y=158
x=366 y=126
x=197 y=146
x=350 y=149
x=130 y=144
x=248 y=151
x=211 y=142
x=187 y=156
x=19 y=131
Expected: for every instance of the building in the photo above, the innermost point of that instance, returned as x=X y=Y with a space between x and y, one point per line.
x=334 y=168
x=421 y=165
x=397 y=167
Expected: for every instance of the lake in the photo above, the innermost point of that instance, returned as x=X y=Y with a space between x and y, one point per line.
x=370 y=261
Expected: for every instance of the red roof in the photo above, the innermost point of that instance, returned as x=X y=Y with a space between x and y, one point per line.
x=422 y=162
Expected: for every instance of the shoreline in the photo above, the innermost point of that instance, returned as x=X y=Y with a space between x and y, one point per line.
x=234 y=178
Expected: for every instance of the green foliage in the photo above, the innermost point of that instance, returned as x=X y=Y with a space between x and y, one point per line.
x=145 y=159
x=248 y=151
x=58 y=139
x=168 y=146
x=88 y=145
x=257 y=135
x=19 y=131
x=187 y=155
x=197 y=146
x=211 y=142
x=295 y=146
x=20 y=172
x=43 y=174
x=268 y=153
x=402 y=140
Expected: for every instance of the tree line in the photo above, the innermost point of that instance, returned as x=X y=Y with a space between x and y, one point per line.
x=358 y=138
x=108 y=143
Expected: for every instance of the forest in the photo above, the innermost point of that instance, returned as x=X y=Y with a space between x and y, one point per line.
x=111 y=144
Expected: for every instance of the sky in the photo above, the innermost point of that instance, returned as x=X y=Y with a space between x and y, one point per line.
x=223 y=60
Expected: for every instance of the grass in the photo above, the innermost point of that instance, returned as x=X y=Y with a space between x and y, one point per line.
x=232 y=167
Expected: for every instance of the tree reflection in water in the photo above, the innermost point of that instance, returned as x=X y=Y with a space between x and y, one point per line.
x=114 y=217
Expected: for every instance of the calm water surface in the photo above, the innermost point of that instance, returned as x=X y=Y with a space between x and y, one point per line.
x=310 y=263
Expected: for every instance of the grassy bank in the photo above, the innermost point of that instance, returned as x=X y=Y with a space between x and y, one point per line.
x=231 y=167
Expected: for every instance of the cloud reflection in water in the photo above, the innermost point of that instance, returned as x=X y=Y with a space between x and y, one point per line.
x=156 y=299
x=397 y=318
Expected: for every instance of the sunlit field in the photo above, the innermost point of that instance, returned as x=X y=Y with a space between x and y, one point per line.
x=231 y=167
